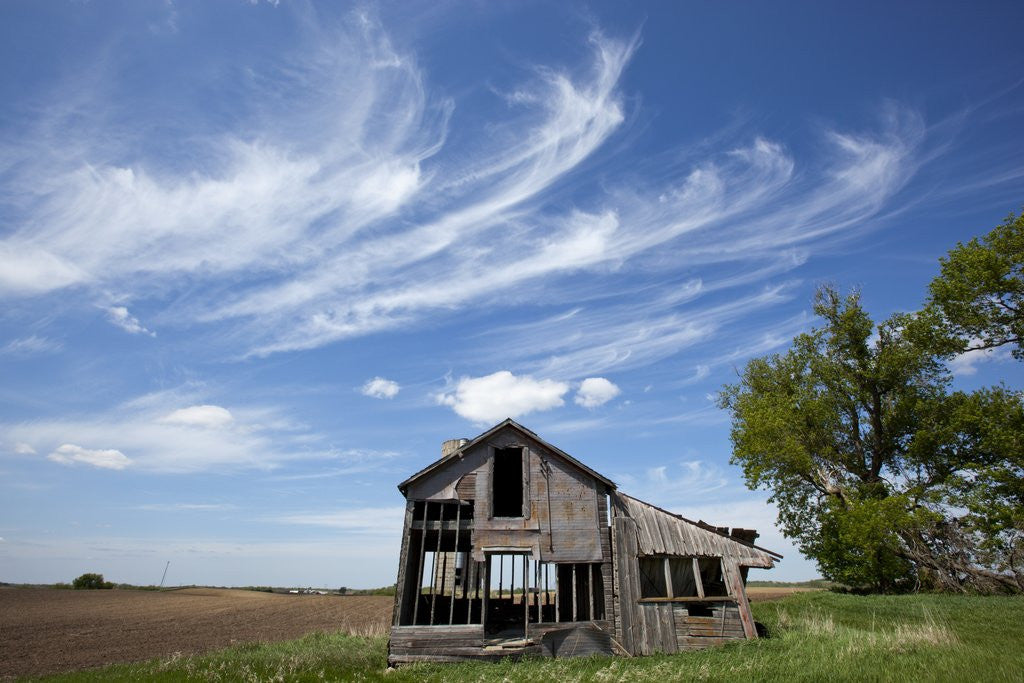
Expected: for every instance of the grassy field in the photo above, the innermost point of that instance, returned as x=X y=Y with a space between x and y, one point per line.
x=813 y=636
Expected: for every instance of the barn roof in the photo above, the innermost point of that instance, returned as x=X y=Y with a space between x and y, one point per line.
x=507 y=423
x=660 y=532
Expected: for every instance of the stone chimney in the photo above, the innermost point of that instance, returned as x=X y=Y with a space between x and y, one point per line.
x=451 y=445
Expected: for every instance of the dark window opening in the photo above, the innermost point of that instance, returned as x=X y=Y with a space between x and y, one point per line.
x=681 y=577
x=711 y=577
x=507 y=482
x=652 y=577
x=700 y=609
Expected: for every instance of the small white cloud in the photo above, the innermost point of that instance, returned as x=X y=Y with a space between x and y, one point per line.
x=378 y=387
x=494 y=397
x=966 y=363
x=109 y=459
x=206 y=416
x=24 y=449
x=120 y=316
x=596 y=391
x=29 y=346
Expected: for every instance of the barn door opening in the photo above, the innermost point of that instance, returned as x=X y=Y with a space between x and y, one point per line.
x=508 y=599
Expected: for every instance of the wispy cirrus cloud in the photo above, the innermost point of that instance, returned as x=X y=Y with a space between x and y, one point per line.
x=414 y=217
x=30 y=346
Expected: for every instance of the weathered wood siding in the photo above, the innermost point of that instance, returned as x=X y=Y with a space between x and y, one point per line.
x=647 y=627
x=574 y=531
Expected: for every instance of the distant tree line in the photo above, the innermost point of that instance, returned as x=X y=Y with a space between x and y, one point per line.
x=882 y=473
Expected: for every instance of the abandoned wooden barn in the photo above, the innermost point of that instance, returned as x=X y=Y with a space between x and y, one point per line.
x=512 y=547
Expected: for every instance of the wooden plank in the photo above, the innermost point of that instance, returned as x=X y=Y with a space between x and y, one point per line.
x=668 y=631
x=419 y=572
x=574 y=597
x=433 y=578
x=590 y=590
x=668 y=578
x=629 y=584
x=697 y=579
x=451 y=605
x=526 y=595
x=734 y=580
x=403 y=561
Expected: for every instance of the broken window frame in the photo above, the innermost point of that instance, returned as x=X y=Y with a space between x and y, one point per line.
x=663 y=583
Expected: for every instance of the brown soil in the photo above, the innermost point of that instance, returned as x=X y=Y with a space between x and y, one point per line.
x=773 y=593
x=44 y=630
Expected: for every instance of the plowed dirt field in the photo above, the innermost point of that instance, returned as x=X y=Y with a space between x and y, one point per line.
x=46 y=630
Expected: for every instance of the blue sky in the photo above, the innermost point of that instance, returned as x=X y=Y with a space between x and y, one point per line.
x=258 y=260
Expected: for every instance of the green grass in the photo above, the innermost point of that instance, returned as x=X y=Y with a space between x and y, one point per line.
x=814 y=636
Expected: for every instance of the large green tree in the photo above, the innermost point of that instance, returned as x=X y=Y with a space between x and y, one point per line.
x=880 y=472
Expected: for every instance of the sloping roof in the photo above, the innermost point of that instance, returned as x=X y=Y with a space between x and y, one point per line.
x=659 y=532
x=508 y=422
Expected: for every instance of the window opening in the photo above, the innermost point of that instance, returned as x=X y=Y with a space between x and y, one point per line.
x=507 y=482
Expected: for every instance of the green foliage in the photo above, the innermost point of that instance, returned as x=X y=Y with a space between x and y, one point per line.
x=813 y=636
x=869 y=456
x=91 y=581
x=980 y=290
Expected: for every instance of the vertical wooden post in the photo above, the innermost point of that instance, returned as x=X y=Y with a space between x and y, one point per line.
x=558 y=594
x=501 y=573
x=419 y=571
x=401 y=587
x=590 y=593
x=437 y=551
x=487 y=589
x=696 y=578
x=526 y=603
x=668 y=580
x=455 y=559
x=735 y=581
x=574 y=596
x=536 y=583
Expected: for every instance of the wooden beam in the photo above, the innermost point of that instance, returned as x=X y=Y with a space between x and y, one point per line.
x=526 y=594
x=557 y=594
x=590 y=593
x=487 y=590
x=451 y=606
x=574 y=591
x=668 y=579
x=419 y=572
x=736 y=582
x=696 y=578
x=403 y=562
x=433 y=580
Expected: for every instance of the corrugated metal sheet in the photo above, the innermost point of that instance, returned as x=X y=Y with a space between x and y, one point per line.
x=660 y=532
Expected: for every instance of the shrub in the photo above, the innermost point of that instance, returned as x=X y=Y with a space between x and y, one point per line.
x=91 y=581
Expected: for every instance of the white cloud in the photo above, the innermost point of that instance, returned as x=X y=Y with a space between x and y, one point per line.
x=378 y=387
x=29 y=346
x=109 y=459
x=596 y=391
x=199 y=438
x=492 y=398
x=24 y=449
x=414 y=217
x=966 y=364
x=120 y=317
x=206 y=416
